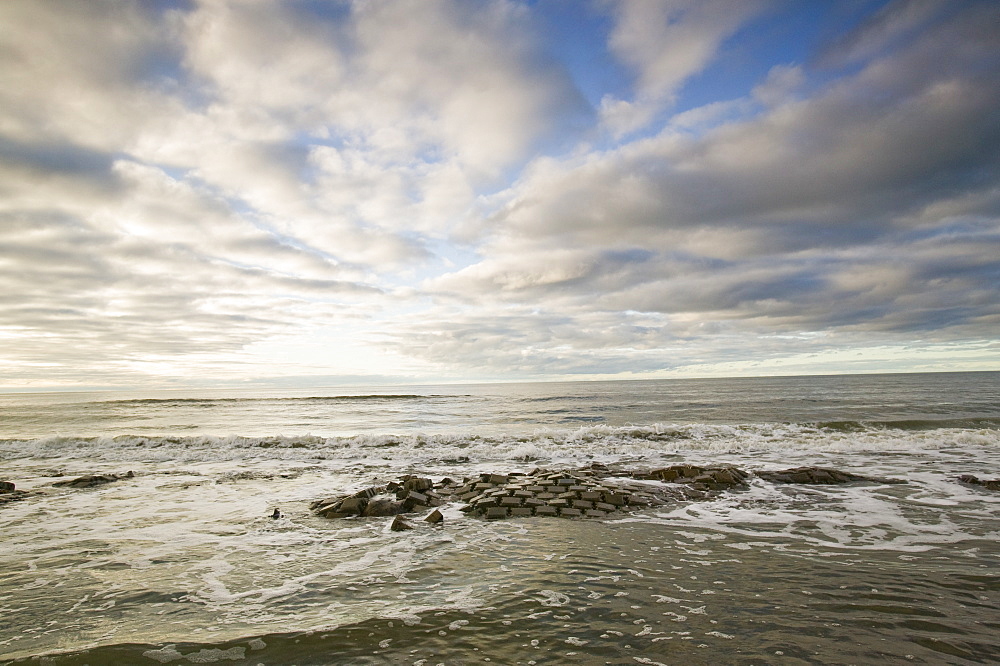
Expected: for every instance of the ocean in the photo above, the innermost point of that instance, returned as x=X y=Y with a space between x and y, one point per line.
x=182 y=561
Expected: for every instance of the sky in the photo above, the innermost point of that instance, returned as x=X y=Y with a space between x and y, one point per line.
x=306 y=192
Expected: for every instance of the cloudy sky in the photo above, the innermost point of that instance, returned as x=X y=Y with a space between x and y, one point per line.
x=309 y=192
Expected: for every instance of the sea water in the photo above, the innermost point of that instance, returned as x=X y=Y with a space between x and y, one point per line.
x=182 y=563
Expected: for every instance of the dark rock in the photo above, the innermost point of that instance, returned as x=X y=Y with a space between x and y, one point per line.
x=7 y=486
x=91 y=480
x=819 y=476
x=383 y=506
x=990 y=484
x=276 y=514
x=400 y=525
x=434 y=517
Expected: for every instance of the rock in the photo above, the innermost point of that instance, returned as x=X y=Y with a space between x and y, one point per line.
x=276 y=514
x=819 y=476
x=990 y=484
x=383 y=506
x=399 y=525
x=91 y=480
x=434 y=517
x=355 y=505
x=10 y=493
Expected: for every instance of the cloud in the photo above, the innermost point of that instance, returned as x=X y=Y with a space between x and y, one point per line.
x=394 y=187
x=665 y=42
x=810 y=218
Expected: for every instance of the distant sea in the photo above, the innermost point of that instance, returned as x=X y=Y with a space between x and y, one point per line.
x=183 y=563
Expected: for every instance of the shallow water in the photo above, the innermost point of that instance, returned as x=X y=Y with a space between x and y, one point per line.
x=181 y=563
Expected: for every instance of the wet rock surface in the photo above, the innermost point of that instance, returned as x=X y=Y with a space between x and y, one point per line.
x=10 y=493
x=91 y=480
x=592 y=492
x=989 y=484
x=819 y=476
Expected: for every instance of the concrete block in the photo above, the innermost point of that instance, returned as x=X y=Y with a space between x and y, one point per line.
x=496 y=512
x=399 y=525
x=559 y=503
x=546 y=511
x=570 y=513
x=510 y=501
x=520 y=512
x=582 y=504
x=591 y=496
x=617 y=499
x=604 y=506
x=353 y=505
x=434 y=517
x=594 y=513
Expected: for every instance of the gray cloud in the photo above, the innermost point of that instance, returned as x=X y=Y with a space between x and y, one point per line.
x=296 y=188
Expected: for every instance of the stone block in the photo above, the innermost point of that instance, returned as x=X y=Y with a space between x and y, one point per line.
x=520 y=512
x=566 y=482
x=559 y=503
x=399 y=525
x=594 y=513
x=496 y=512
x=534 y=502
x=616 y=499
x=383 y=507
x=533 y=489
x=591 y=496
x=604 y=506
x=554 y=489
x=546 y=511
x=545 y=496
x=498 y=478
x=570 y=513
x=434 y=517
x=523 y=494
x=582 y=504
x=577 y=488
x=510 y=501
x=353 y=505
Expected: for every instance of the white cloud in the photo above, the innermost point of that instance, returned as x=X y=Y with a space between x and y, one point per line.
x=666 y=42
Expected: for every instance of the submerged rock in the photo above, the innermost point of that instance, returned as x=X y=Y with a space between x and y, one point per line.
x=990 y=484
x=592 y=492
x=91 y=480
x=10 y=493
x=819 y=476
x=399 y=525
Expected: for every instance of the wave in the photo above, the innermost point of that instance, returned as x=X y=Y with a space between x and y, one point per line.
x=249 y=401
x=584 y=443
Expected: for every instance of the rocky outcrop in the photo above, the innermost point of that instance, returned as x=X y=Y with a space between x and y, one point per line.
x=700 y=478
x=819 y=476
x=989 y=484
x=91 y=480
x=10 y=493
x=592 y=492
